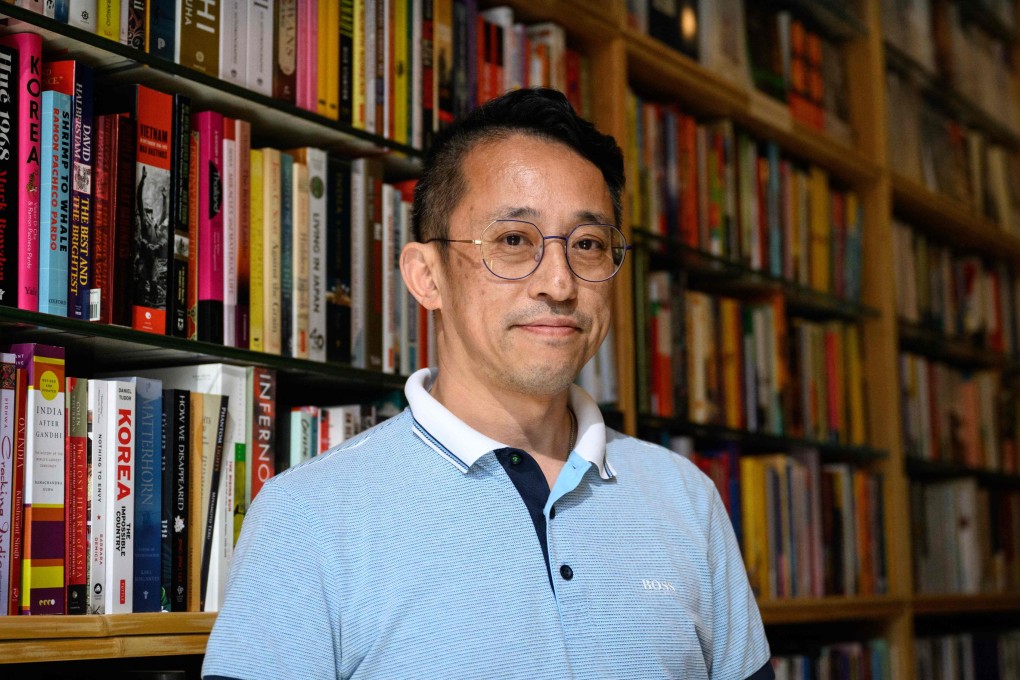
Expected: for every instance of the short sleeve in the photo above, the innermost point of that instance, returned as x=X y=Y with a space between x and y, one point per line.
x=275 y=621
x=739 y=646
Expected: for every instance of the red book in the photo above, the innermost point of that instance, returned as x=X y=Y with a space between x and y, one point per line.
x=10 y=236
x=18 y=490
x=428 y=76
x=29 y=122
x=263 y=434
x=573 y=66
x=113 y=185
x=76 y=492
x=482 y=59
x=687 y=163
x=209 y=126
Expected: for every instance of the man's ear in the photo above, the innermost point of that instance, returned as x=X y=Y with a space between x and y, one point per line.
x=421 y=269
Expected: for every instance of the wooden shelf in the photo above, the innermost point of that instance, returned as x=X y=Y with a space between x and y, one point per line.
x=954 y=223
x=966 y=604
x=26 y=639
x=932 y=344
x=933 y=470
x=830 y=609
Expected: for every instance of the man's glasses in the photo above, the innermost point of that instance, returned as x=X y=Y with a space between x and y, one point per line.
x=513 y=249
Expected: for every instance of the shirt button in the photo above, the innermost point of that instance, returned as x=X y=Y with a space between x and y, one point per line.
x=515 y=458
x=566 y=572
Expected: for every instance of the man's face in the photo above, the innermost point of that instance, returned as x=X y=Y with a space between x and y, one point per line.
x=530 y=336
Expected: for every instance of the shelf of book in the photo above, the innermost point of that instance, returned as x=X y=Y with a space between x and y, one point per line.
x=282 y=123
x=936 y=605
x=954 y=223
x=830 y=609
x=978 y=12
x=935 y=469
x=935 y=345
x=835 y=18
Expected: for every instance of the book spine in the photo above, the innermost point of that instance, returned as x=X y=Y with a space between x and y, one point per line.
x=180 y=460
x=137 y=21
x=180 y=206
x=234 y=41
x=263 y=434
x=375 y=274
x=120 y=499
x=42 y=584
x=287 y=278
x=260 y=47
x=55 y=162
x=360 y=237
x=317 y=248
x=346 y=63
x=230 y=240
x=98 y=451
x=358 y=64
x=209 y=125
x=368 y=56
x=389 y=329
x=272 y=286
x=8 y=431
x=414 y=60
x=214 y=490
x=326 y=50
x=193 y=243
x=29 y=50
x=332 y=41
x=307 y=81
x=199 y=41
x=123 y=218
x=255 y=249
x=429 y=83
x=82 y=14
x=76 y=494
x=443 y=61
x=382 y=66
x=299 y=254
x=80 y=302
x=401 y=71
x=152 y=255
x=285 y=39
x=338 y=265
x=166 y=495
x=11 y=247
x=162 y=28
x=148 y=495
x=108 y=12
x=243 y=213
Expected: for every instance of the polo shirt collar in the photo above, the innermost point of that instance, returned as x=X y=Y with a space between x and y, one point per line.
x=462 y=445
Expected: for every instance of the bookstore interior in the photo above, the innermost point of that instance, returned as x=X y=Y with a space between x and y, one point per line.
x=201 y=214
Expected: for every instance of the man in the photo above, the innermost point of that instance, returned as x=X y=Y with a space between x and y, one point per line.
x=497 y=528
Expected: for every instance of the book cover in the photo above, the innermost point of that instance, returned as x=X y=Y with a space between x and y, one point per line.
x=8 y=431
x=42 y=569
x=271 y=251
x=18 y=489
x=315 y=160
x=176 y=498
x=82 y=14
x=162 y=28
x=233 y=46
x=108 y=24
x=113 y=201
x=243 y=250
x=120 y=498
x=429 y=77
x=287 y=246
x=76 y=493
x=11 y=245
x=347 y=73
x=399 y=81
x=198 y=31
x=99 y=449
x=193 y=215
x=54 y=208
x=307 y=82
x=211 y=512
x=263 y=432
x=442 y=61
x=415 y=94
x=209 y=126
x=300 y=259
x=260 y=47
x=367 y=55
x=390 y=345
x=137 y=23
x=256 y=297
x=181 y=200
x=329 y=49
x=339 y=298
x=166 y=497
x=231 y=244
x=285 y=51
x=29 y=123
x=76 y=80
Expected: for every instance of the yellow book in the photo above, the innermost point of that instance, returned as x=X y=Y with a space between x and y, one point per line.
x=333 y=63
x=855 y=386
x=256 y=333
x=108 y=21
x=326 y=39
x=754 y=524
x=821 y=229
x=729 y=318
x=401 y=71
x=273 y=272
x=358 y=66
x=196 y=530
x=300 y=259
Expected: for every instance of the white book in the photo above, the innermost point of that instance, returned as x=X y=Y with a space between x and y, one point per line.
x=234 y=41
x=722 y=46
x=554 y=38
x=125 y=6
x=232 y=382
x=300 y=266
x=503 y=16
x=317 y=254
x=359 y=265
x=259 y=76
x=120 y=498
x=304 y=421
x=344 y=423
x=100 y=450
x=383 y=126
x=371 y=124
x=82 y=14
x=7 y=430
x=50 y=8
x=406 y=304
x=389 y=336
x=415 y=59
x=231 y=237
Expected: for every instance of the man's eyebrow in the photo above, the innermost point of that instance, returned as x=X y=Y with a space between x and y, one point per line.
x=528 y=213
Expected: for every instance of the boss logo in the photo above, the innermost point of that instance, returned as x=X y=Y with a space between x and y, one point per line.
x=652 y=584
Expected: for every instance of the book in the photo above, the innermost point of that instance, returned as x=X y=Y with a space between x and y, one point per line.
x=120 y=498
x=259 y=76
x=233 y=47
x=178 y=459
x=82 y=14
x=300 y=258
x=11 y=246
x=29 y=84
x=8 y=432
x=287 y=246
x=366 y=264
x=137 y=23
x=272 y=283
x=148 y=495
x=263 y=434
x=212 y=511
x=181 y=201
x=230 y=228
x=76 y=493
x=197 y=44
x=54 y=211
x=339 y=299
x=42 y=570
x=242 y=194
x=285 y=51
x=346 y=72
x=108 y=23
x=256 y=281
x=99 y=450
x=162 y=28
x=209 y=126
x=315 y=160
x=308 y=13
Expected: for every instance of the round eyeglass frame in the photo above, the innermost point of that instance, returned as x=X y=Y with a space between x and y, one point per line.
x=538 y=262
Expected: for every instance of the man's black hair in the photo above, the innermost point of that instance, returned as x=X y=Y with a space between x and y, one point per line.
x=538 y=112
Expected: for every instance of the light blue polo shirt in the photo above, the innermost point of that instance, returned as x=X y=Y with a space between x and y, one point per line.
x=407 y=552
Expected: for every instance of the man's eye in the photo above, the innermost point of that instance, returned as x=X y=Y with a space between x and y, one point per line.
x=512 y=240
x=588 y=244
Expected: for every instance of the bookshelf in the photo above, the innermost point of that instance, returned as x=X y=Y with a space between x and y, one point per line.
x=621 y=59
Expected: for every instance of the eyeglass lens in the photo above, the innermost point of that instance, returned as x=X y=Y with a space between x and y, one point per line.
x=513 y=249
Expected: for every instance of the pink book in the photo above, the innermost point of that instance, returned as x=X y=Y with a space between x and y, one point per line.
x=29 y=47
x=307 y=53
x=209 y=126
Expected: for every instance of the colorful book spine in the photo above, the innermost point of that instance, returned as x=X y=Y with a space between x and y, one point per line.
x=11 y=247
x=234 y=41
x=230 y=237
x=112 y=241
x=18 y=489
x=75 y=80
x=307 y=83
x=8 y=430
x=162 y=28
x=256 y=336
x=209 y=125
x=339 y=299
x=263 y=434
x=429 y=80
x=148 y=494
x=98 y=530
x=287 y=245
x=152 y=256
x=82 y=14
x=260 y=47
x=198 y=36
x=243 y=197
x=271 y=251
x=317 y=242
x=108 y=24
x=179 y=277
x=357 y=24
x=29 y=123
x=179 y=459
x=54 y=211
x=390 y=349
x=120 y=499
x=285 y=51
x=299 y=256
x=346 y=62
x=76 y=494
x=332 y=42
x=137 y=23
x=42 y=585
x=214 y=491
x=193 y=213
